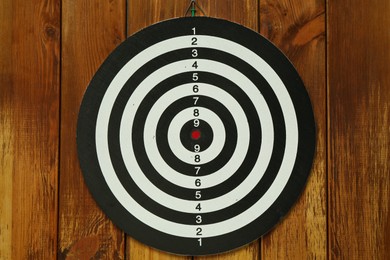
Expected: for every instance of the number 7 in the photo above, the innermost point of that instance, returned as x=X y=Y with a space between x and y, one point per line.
x=195 y=100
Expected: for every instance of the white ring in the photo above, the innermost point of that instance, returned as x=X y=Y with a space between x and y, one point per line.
x=258 y=208
x=243 y=133
x=182 y=152
x=151 y=146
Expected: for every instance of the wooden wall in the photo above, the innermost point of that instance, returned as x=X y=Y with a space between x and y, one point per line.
x=49 y=50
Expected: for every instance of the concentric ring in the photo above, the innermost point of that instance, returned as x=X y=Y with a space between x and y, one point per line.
x=272 y=183
x=229 y=168
x=183 y=153
x=197 y=131
x=220 y=189
x=229 y=127
x=209 y=205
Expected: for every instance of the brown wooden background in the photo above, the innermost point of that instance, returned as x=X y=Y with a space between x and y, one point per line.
x=49 y=50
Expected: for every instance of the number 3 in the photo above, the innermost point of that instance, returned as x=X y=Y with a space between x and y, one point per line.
x=194 y=53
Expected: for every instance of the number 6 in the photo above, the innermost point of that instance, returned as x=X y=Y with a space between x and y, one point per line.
x=195 y=88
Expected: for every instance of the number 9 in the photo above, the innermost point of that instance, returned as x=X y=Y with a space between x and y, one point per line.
x=197 y=148
x=196 y=123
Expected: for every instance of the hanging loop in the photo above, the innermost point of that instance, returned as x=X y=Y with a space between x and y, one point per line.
x=192 y=9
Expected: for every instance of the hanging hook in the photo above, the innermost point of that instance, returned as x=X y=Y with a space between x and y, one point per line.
x=192 y=8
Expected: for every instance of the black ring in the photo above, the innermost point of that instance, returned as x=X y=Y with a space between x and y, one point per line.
x=86 y=139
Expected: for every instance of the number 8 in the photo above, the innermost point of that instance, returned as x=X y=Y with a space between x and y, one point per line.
x=196 y=112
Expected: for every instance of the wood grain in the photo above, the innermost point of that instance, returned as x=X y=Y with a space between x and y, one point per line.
x=43 y=219
x=29 y=105
x=246 y=13
x=90 y=31
x=297 y=27
x=142 y=13
x=359 y=133
x=6 y=130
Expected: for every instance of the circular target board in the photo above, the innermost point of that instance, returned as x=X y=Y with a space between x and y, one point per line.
x=196 y=136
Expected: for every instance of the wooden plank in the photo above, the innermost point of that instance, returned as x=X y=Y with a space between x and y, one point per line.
x=29 y=103
x=6 y=130
x=245 y=13
x=143 y=13
x=90 y=31
x=298 y=28
x=359 y=140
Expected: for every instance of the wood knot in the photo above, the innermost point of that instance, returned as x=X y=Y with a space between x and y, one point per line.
x=50 y=32
x=310 y=30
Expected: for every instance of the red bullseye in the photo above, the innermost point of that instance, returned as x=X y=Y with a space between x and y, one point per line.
x=195 y=134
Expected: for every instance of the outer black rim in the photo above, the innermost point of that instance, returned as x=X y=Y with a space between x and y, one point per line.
x=87 y=149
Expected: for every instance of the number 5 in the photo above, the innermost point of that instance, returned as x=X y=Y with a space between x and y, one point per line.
x=198 y=195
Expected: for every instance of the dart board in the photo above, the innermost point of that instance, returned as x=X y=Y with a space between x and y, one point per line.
x=196 y=136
